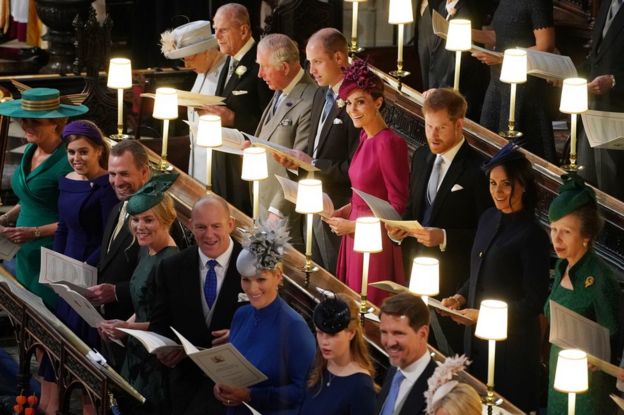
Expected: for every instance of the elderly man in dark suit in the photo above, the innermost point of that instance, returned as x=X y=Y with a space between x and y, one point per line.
x=404 y=331
x=605 y=69
x=448 y=193
x=128 y=171
x=285 y=121
x=333 y=138
x=197 y=293
x=246 y=96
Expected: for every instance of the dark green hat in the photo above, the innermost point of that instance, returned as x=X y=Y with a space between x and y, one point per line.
x=573 y=194
x=40 y=103
x=151 y=194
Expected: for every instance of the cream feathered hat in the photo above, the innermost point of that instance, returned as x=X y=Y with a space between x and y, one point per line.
x=188 y=39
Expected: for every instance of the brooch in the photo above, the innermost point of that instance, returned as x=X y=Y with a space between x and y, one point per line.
x=589 y=281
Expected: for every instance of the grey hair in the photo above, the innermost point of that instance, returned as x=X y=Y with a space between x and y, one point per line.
x=282 y=48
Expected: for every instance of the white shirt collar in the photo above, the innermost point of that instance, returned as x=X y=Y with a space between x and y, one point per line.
x=223 y=260
x=413 y=371
x=451 y=5
x=452 y=152
x=242 y=51
x=293 y=83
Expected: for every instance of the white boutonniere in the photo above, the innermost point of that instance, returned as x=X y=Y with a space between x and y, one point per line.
x=240 y=70
x=340 y=102
x=242 y=298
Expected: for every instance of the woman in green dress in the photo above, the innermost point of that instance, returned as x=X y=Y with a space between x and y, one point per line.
x=151 y=215
x=35 y=182
x=583 y=284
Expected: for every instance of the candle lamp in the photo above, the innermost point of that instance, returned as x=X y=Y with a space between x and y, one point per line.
x=571 y=375
x=119 y=78
x=367 y=240
x=309 y=202
x=209 y=136
x=491 y=326
x=573 y=102
x=255 y=169
x=166 y=109
x=401 y=13
x=353 y=49
x=458 y=39
x=514 y=72
x=425 y=277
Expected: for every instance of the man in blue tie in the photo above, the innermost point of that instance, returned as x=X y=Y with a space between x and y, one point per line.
x=197 y=293
x=404 y=331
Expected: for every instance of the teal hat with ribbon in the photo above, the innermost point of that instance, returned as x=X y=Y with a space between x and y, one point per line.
x=151 y=194
x=573 y=194
x=40 y=103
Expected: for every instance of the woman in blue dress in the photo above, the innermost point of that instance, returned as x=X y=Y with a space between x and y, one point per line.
x=151 y=215
x=268 y=332
x=341 y=381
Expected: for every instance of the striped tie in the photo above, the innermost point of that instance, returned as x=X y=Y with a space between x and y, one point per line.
x=613 y=11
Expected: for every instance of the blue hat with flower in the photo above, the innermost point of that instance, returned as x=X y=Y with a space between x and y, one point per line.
x=263 y=248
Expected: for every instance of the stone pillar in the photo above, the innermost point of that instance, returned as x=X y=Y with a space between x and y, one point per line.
x=58 y=16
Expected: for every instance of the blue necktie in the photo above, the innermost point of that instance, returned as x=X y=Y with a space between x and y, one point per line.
x=329 y=103
x=210 y=285
x=393 y=393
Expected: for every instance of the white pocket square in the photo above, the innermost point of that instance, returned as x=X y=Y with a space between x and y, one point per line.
x=239 y=92
x=337 y=121
x=242 y=298
x=456 y=187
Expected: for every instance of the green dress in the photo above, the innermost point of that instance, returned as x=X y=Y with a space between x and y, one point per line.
x=595 y=296
x=141 y=369
x=37 y=191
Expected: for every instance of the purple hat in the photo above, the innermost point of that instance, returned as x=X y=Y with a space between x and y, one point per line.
x=358 y=76
x=83 y=128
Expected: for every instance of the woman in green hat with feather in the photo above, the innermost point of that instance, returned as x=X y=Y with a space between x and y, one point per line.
x=583 y=284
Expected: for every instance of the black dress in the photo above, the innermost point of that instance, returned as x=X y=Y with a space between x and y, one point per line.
x=340 y=395
x=514 y=22
x=510 y=262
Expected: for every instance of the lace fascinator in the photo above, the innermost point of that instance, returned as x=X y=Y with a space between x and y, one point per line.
x=441 y=382
x=263 y=247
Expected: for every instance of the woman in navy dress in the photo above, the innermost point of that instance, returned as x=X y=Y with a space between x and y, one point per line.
x=509 y=262
x=268 y=332
x=85 y=201
x=341 y=381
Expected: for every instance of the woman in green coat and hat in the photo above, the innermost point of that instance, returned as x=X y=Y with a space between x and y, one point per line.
x=35 y=182
x=583 y=284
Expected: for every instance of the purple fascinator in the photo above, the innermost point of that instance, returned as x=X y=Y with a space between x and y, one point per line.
x=358 y=76
x=83 y=128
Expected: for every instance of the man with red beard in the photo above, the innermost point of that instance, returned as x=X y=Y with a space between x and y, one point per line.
x=197 y=293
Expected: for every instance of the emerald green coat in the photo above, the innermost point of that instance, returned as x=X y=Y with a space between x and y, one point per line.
x=595 y=296
x=37 y=192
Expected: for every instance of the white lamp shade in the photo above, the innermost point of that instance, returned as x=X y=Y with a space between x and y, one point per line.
x=355 y=1
x=400 y=12
x=459 y=36
x=309 y=196
x=367 y=235
x=492 y=321
x=425 y=277
x=573 y=96
x=119 y=73
x=571 y=372
x=209 y=131
x=254 y=164
x=166 y=104
x=514 y=70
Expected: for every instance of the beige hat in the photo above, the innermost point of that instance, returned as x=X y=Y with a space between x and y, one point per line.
x=188 y=39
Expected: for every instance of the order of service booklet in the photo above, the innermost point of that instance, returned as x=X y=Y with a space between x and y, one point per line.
x=153 y=342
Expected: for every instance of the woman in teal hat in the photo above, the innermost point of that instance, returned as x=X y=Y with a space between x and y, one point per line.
x=151 y=215
x=583 y=284
x=35 y=183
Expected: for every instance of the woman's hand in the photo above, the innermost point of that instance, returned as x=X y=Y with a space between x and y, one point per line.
x=341 y=226
x=108 y=328
x=488 y=58
x=231 y=395
x=19 y=235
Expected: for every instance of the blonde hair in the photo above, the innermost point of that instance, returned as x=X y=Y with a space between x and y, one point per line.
x=164 y=211
x=461 y=400
x=357 y=347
